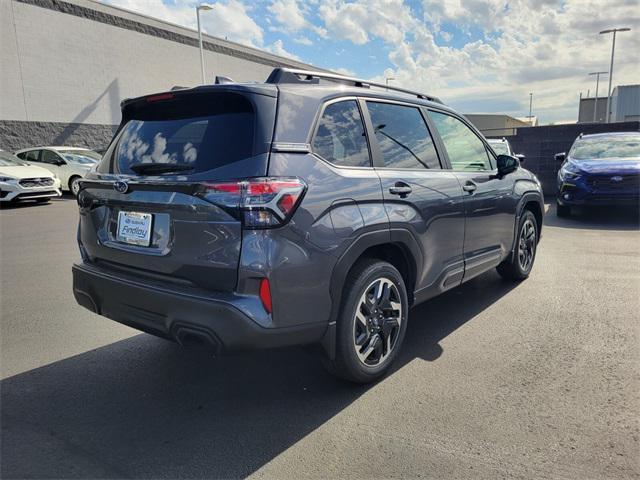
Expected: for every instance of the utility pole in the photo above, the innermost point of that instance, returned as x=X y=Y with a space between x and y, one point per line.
x=595 y=104
x=613 y=49
x=530 y=105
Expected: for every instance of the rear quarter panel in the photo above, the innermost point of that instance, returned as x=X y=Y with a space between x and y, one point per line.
x=339 y=205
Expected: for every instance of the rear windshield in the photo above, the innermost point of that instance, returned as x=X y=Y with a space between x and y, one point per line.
x=204 y=135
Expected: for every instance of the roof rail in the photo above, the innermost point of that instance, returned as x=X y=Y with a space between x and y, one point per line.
x=293 y=75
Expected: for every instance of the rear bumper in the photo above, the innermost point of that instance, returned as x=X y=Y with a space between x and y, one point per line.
x=224 y=322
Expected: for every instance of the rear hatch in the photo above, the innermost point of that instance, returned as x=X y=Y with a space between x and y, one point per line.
x=149 y=209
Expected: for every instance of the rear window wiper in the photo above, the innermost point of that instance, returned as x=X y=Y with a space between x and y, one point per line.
x=150 y=168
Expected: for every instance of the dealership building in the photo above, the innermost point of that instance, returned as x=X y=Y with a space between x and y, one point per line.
x=67 y=64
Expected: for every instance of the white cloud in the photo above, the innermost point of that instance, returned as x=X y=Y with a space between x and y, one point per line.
x=544 y=46
x=344 y=71
x=289 y=14
x=303 y=41
x=277 y=48
x=231 y=19
x=178 y=14
x=361 y=20
x=228 y=18
x=514 y=46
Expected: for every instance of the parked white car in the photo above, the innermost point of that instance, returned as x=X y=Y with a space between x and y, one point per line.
x=68 y=163
x=21 y=181
x=502 y=147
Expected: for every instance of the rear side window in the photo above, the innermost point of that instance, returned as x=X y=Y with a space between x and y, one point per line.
x=341 y=138
x=465 y=149
x=202 y=135
x=403 y=137
x=30 y=156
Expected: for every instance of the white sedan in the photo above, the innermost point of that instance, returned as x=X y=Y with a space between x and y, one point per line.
x=21 y=181
x=69 y=164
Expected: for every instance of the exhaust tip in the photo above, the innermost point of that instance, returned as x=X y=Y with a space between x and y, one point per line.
x=191 y=337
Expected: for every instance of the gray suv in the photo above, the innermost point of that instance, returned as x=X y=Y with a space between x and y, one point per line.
x=309 y=209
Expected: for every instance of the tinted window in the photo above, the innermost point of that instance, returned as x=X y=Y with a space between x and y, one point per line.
x=30 y=156
x=49 y=157
x=203 y=135
x=340 y=138
x=501 y=148
x=403 y=136
x=465 y=149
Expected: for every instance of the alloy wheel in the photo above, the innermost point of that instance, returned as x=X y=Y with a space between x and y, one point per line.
x=377 y=322
x=527 y=244
x=75 y=186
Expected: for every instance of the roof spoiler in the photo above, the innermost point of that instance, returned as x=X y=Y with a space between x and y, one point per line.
x=292 y=75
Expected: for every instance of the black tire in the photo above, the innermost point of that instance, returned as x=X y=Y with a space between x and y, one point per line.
x=563 y=210
x=518 y=266
x=72 y=183
x=365 y=277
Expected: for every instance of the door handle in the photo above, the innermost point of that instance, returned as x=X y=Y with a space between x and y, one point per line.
x=469 y=187
x=401 y=189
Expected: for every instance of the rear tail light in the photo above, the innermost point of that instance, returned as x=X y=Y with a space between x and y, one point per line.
x=265 y=295
x=263 y=202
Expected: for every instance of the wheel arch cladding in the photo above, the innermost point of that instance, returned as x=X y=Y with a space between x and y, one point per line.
x=376 y=245
x=534 y=207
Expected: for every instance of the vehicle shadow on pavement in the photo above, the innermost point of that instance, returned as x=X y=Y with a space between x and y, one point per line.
x=596 y=218
x=146 y=408
x=33 y=203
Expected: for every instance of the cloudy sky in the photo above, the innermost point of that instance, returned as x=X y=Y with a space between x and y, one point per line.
x=477 y=55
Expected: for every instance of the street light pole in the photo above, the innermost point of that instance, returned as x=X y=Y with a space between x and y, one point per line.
x=595 y=102
x=386 y=80
x=613 y=49
x=530 y=104
x=204 y=6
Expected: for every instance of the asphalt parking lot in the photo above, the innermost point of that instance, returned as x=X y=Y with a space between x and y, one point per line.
x=496 y=380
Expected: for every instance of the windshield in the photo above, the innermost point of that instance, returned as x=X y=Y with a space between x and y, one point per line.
x=80 y=159
x=9 y=160
x=90 y=154
x=501 y=148
x=622 y=146
x=190 y=139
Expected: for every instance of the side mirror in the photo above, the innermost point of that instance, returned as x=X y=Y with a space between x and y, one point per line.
x=507 y=164
x=560 y=157
x=520 y=157
x=60 y=163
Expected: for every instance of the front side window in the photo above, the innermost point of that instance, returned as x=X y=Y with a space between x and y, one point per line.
x=341 y=138
x=50 y=157
x=465 y=149
x=403 y=137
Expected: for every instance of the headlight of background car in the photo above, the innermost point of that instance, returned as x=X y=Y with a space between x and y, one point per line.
x=6 y=179
x=569 y=172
